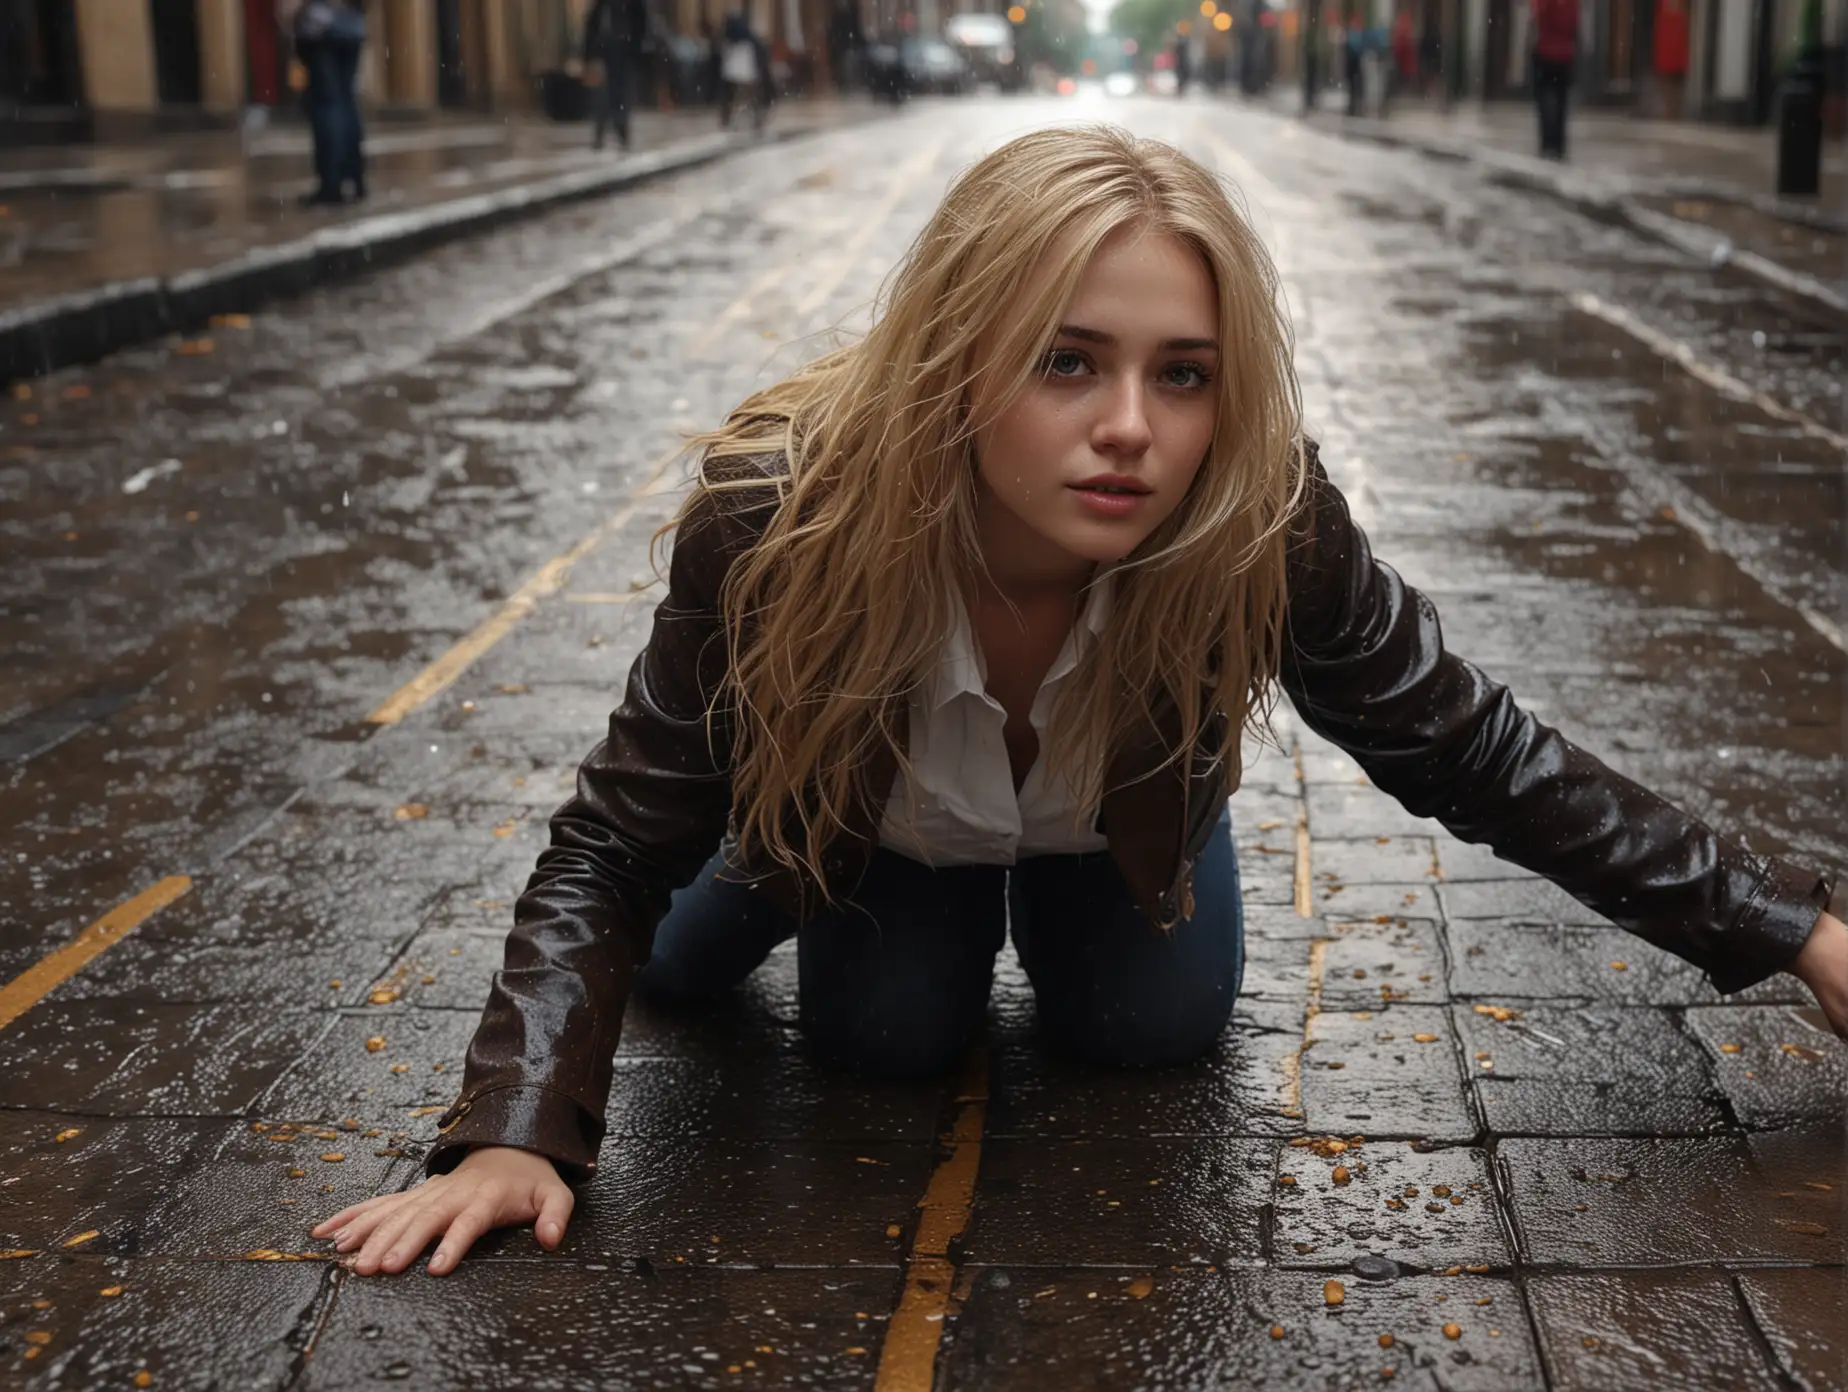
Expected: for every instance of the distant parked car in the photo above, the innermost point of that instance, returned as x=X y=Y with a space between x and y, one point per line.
x=932 y=66
x=986 y=43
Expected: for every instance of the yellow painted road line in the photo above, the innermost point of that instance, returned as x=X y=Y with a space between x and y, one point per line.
x=38 y=980
x=1293 y=1061
x=442 y=673
x=738 y=308
x=908 y=1359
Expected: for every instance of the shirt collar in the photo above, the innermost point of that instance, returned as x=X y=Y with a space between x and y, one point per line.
x=961 y=671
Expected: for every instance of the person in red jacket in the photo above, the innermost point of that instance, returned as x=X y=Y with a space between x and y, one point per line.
x=1556 y=25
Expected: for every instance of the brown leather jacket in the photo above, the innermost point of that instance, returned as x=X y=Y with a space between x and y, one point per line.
x=1366 y=668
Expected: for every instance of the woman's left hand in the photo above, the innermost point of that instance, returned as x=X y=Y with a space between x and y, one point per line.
x=1822 y=966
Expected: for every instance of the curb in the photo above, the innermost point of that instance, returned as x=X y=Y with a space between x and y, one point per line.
x=1609 y=206
x=86 y=325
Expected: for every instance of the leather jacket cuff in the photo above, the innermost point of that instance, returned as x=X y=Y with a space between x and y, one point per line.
x=529 y=1116
x=1776 y=923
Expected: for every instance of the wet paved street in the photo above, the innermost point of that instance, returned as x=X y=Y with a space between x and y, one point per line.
x=1519 y=1147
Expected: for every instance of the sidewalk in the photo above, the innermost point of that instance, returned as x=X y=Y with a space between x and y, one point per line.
x=1707 y=188
x=104 y=246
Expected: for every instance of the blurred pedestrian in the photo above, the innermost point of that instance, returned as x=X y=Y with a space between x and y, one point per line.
x=744 y=69
x=1556 y=25
x=328 y=36
x=1183 y=65
x=613 y=31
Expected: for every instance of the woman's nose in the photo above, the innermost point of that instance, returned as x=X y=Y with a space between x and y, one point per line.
x=1124 y=425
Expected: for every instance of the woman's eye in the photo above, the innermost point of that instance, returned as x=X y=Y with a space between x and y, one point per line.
x=1188 y=375
x=1063 y=362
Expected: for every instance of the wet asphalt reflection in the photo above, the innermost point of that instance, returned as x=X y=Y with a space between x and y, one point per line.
x=224 y=556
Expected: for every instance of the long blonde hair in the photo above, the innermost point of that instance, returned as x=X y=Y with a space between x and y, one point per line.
x=845 y=602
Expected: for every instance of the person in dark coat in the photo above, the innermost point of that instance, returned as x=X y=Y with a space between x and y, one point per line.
x=328 y=36
x=1556 y=25
x=744 y=69
x=613 y=31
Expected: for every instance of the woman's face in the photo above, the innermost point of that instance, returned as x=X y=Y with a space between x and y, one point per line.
x=1105 y=441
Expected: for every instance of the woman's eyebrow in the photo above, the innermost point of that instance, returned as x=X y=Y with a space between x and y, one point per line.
x=1078 y=331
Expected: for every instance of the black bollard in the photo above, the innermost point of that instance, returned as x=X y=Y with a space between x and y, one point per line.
x=1799 y=111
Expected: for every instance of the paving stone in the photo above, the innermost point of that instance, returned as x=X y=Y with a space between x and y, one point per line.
x=1366 y=964
x=1521 y=901
x=1805 y=1170
x=1498 y=961
x=1655 y=1329
x=189 y=1324
x=577 y=1324
x=1589 y=1071
x=548 y=705
x=1388 y=1082
x=1651 y=1203
x=1276 y=969
x=175 y=1186
x=442 y=969
x=1120 y=1203
x=779 y=1094
x=1362 y=902
x=1460 y=861
x=1322 y=1223
x=1325 y=763
x=774 y=1203
x=1265 y=815
x=342 y=1077
x=1031 y=1328
x=1802 y=1313
x=136 y=1057
x=1373 y=860
x=1347 y=812
x=1240 y=1089
x=1787 y=1068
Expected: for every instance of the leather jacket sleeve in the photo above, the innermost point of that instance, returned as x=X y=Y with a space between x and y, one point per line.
x=650 y=809
x=1365 y=665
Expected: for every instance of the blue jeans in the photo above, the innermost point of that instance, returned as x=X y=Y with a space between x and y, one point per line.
x=333 y=116
x=894 y=982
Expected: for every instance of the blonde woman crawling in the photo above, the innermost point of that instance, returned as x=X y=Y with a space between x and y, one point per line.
x=963 y=625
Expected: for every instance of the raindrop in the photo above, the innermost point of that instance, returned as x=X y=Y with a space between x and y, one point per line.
x=1758 y=339
x=346 y=499
x=279 y=427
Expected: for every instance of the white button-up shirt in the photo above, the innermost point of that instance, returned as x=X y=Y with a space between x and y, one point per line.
x=959 y=806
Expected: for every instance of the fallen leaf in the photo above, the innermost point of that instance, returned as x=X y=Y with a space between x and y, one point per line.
x=382 y=995
x=1441 y=1190
x=229 y=321
x=1139 y=1288
x=1341 y=1175
x=425 y=1111
x=38 y=1336
x=1453 y=1331
x=111 y=1291
x=66 y=1135
x=1276 y=1331
x=1807 y=1229
x=1333 y=1292
x=21 y=392
x=144 y=1378
x=1425 y=1038
x=16 y=1253
x=1731 y=1048
x=77 y=393
x=334 y=1157
x=1385 y=1341
x=506 y=828
x=82 y=1238
x=374 y=1044
x=411 y=812
x=298 y=1173
x=401 y=1068
x=195 y=347
x=1288 y=1181
x=893 y=1230
x=1620 y=966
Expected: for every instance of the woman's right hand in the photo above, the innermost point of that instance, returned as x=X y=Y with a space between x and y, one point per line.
x=493 y=1187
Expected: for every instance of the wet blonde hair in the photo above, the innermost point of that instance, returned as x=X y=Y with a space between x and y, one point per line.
x=846 y=601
